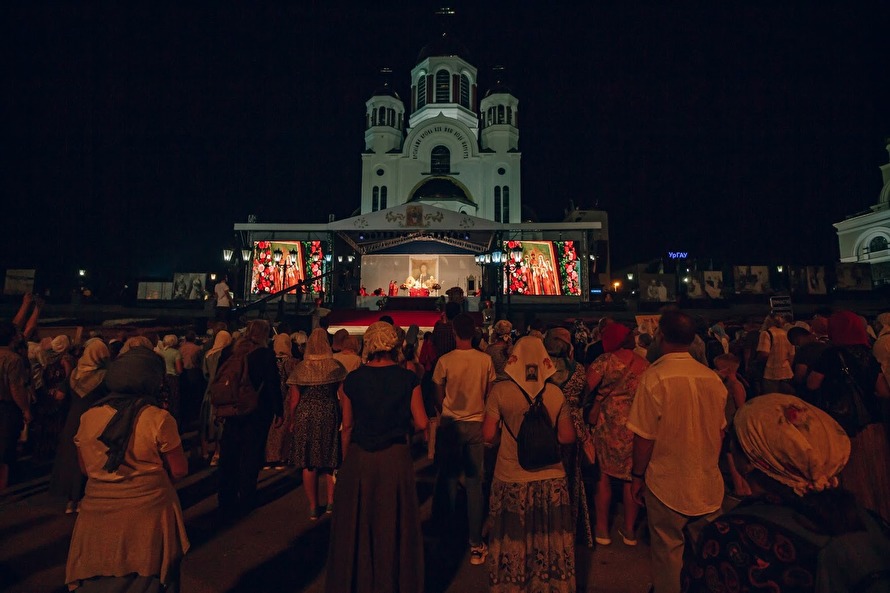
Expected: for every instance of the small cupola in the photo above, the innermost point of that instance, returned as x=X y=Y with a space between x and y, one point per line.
x=384 y=117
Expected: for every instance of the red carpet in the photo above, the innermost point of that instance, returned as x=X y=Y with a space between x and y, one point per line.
x=357 y=320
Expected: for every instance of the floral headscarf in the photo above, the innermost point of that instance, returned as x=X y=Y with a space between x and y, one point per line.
x=380 y=337
x=91 y=367
x=792 y=442
x=614 y=335
x=529 y=365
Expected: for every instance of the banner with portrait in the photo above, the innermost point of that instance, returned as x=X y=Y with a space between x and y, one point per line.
x=751 y=279
x=853 y=276
x=713 y=283
x=276 y=265
x=545 y=268
x=658 y=288
x=189 y=286
x=695 y=285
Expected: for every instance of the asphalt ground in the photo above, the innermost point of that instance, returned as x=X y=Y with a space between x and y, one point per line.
x=275 y=548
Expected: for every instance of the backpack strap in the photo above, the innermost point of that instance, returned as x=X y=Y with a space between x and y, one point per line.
x=529 y=400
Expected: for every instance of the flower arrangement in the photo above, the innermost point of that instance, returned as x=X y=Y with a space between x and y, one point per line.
x=262 y=268
x=516 y=273
x=314 y=263
x=568 y=267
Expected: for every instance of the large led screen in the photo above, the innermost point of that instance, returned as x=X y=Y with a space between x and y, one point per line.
x=544 y=268
x=300 y=260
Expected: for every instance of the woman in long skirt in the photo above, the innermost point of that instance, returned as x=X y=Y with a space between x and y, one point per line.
x=532 y=537
x=376 y=543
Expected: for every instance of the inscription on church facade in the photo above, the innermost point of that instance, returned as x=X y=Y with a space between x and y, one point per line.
x=458 y=135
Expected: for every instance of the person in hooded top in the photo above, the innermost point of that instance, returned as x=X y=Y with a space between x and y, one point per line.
x=315 y=418
x=129 y=534
x=376 y=543
x=532 y=535
x=87 y=387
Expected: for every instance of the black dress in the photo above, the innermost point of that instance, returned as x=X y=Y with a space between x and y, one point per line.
x=376 y=542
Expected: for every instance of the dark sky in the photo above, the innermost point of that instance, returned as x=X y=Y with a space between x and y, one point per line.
x=135 y=135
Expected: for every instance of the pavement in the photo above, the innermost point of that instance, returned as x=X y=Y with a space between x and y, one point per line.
x=276 y=548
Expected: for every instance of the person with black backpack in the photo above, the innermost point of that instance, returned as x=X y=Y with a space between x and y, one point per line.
x=532 y=525
x=846 y=381
x=246 y=395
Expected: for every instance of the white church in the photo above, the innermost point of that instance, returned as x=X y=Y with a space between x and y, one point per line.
x=865 y=238
x=441 y=204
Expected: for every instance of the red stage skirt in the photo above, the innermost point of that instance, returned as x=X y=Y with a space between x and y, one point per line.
x=419 y=292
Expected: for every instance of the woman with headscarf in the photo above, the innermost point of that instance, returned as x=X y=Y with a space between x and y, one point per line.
x=346 y=350
x=532 y=534
x=376 y=507
x=130 y=534
x=210 y=429
x=315 y=418
x=52 y=403
x=570 y=377
x=612 y=381
x=499 y=347
x=799 y=531
x=87 y=386
x=844 y=373
x=280 y=441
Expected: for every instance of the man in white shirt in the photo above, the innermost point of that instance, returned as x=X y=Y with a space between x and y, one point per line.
x=463 y=378
x=678 y=421
x=223 y=299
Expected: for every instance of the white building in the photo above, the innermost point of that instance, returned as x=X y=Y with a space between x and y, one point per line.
x=865 y=238
x=441 y=184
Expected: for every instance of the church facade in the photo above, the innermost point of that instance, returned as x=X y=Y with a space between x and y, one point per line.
x=865 y=238
x=441 y=188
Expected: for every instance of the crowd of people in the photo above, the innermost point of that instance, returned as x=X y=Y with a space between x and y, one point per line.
x=755 y=454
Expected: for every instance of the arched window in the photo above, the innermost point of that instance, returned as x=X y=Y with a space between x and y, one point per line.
x=509 y=115
x=497 y=204
x=381 y=116
x=500 y=114
x=421 y=90
x=443 y=86
x=440 y=160
x=490 y=115
x=465 y=90
x=383 y=198
x=375 y=199
x=373 y=117
x=506 y=204
x=879 y=243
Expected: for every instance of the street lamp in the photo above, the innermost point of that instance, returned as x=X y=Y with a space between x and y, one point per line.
x=246 y=254
x=276 y=255
x=227 y=254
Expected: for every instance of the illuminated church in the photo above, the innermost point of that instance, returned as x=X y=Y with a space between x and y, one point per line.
x=441 y=205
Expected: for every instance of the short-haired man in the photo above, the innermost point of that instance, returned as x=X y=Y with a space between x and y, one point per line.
x=678 y=421
x=15 y=405
x=463 y=378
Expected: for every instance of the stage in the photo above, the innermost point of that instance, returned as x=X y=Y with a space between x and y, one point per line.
x=356 y=321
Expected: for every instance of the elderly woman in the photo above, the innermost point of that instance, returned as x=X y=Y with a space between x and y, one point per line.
x=129 y=535
x=532 y=536
x=376 y=542
x=315 y=417
x=87 y=385
x=570 y=377
x=51 y=407
x=845 y=372
x=612 y=381
x=499 y=347
x=799 y=532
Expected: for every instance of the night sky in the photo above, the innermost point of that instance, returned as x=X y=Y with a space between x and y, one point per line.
x=135 y=135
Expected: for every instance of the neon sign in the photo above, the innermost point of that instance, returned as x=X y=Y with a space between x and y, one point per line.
x=678 y=254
